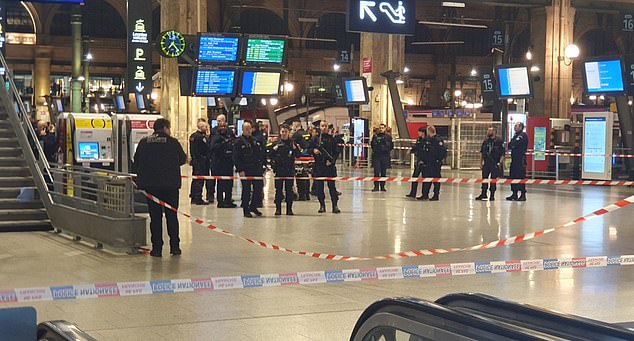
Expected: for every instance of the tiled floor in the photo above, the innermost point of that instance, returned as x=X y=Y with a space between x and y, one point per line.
x=371 y=224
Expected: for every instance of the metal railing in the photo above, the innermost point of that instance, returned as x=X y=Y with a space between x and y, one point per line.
x=86 y=203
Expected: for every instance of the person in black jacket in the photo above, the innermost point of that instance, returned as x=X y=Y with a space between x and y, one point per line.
x=283 y=154
x=221 y=150
x=325 y=150
x=248 y=156
x=434 y=152
x=491 y=162
x=382 y=146
x=302 y=139
x=518 y=147
x=158 y=159
x=418 y=167
x=199 y=152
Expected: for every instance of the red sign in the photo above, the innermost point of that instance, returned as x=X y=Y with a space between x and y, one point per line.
x=367 y=65
x=140 y=124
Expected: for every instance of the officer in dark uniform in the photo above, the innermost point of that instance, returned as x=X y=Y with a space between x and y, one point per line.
x=248 y=157
x=418 y=167
x=518 y=147
x=283 y=154
x=221 y=148
x=434 y=152
x=199 y=152
x=382 y=146
x=491 y=162
x=157 y=161
x=325 y=150
x=302 y=139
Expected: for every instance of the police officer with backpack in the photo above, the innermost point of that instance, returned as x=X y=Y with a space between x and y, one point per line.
x=434 y=152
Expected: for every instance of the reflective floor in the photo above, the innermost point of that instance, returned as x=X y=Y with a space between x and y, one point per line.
x=372 y=224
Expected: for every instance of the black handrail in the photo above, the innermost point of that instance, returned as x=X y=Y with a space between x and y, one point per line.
x=563 y=325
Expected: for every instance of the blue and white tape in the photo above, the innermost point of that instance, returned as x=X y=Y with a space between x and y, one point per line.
x=209 y=284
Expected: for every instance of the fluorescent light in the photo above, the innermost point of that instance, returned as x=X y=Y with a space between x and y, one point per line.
x=400 y=81
x=406 y=69
x=457 y=93
x=535 y=68
x=474 y=72
x=453 y=4
x=273 y=101
x=303 y=19
x=336 y=67
x=457 y=42
x=450 y=24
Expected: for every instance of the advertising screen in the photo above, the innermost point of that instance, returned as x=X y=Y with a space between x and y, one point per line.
x=263 y=83
x=119 y=103
x=359 y=136
x=604 y=76
x=594 y=146
x=355 y=90
x=217 y=48
x=208 y=82
x=539 y=143
x=514 y=82
x=89 y=150
x=267 y=51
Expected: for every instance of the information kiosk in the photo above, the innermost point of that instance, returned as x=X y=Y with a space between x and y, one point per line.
x=87 y=140
x=597 y=146
x=128 y=132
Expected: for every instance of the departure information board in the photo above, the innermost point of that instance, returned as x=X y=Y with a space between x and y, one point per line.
x=268 y=51
x=265 y=83
x=355 y=91
x=215 y=48
x=514 y=82
x=604 y=76
x=214 y=82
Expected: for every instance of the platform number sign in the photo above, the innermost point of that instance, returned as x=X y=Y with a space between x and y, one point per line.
x=344 y=57
x=629 y=71
x=497 y=38
x=628 y=23
x=487 y=85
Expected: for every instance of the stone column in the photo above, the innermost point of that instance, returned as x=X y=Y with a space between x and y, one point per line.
x=388 y=54
x=42 y=78
x=187 y=17
x=552 y=30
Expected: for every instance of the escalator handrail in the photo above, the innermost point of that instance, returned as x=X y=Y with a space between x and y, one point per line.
x=579 y=325
x=431 y=308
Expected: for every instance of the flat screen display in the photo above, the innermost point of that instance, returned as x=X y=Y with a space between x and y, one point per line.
x=355 y=90
x=594 y=144
x=514 y=82
x=217 y=48
x=89 y=150
x=239 y=127
x=263 y=50
x=120 y=103
x=60 y=105
x=604 y=76
x=211 y=101
x=140 y=102
x=209 y=82
x=263 y=83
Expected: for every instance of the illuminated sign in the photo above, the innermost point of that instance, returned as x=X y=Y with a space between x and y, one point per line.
x=487 y=85
x=597 y=146
x=140 y=71
x=514 y=82
x=215 y=48
x=209 y=82
x=264 y=83
x=603 y=76
x=388 y=16
x=265 y=50
x=355 y=90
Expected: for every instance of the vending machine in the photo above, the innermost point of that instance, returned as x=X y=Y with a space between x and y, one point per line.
x=86 y=140
x=129 y=129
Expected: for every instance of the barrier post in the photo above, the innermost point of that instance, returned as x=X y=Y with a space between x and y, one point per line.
x=533 y=166
x=351 y=153
x=556 y=165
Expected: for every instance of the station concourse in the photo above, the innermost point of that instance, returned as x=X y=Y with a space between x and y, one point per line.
x=89 y=81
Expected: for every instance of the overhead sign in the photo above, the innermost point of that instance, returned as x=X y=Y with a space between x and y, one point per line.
x=367 y=64
x=497 y=37
x=343 y=57
x=628 y=23
x=629 y=73
x=487 y=86
x=139 y=78
x=388 y=16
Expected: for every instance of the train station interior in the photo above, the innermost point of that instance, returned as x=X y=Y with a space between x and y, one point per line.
x=454 y=170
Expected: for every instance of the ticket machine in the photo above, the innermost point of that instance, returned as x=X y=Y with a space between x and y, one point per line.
x=86 y=140
x=128 y=132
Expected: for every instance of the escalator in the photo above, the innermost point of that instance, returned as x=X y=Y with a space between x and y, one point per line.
x=475 y=317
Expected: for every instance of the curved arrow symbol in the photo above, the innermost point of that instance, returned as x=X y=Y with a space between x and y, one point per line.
x=365 y=7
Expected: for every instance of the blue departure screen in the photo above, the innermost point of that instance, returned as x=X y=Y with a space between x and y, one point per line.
x=355 y=91
x=89 y=150
x=604 y=76
x=261 y=83
x=514 y=82
x=594 y=144
x=217 y=49
x=214 y=82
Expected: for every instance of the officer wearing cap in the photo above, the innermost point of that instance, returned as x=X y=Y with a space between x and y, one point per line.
x=434 y=152
x=491 y=161
x=518 y=147
x=382 y=146
x=417 y=150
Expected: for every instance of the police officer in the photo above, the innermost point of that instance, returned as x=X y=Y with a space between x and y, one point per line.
x=325 y=150
x=221 y=149
x=433 y=154
x=417 y=150
x=302 y=139
x=518 y=147
x=491 y=161
x=248 y=157
x=199 y=151
x=283 y=154
x=382 y=146
x=157 y=161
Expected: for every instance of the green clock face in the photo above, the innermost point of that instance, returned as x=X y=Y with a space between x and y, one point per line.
x=172 y=44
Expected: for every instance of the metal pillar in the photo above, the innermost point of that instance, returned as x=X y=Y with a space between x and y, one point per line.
x=397 y=105
x=75 y=95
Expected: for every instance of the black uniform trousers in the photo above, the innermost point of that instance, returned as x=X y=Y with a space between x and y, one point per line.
x=303 y=188
x=200 y=167
x=418 y=171
x=328 y=171
x=431 y=170
x=492 y=170
x=518 y=171
x=225 y=187
x=252 y=191
x=210 y=186
x=156 y=218
x=380 y=164
x=284 y=189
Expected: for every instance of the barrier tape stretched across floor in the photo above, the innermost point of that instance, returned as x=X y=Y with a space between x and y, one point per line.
x=430 y=180
x=409 y=254
x=205 y=283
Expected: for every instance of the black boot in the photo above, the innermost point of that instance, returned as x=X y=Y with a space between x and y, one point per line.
x=289 y=209
x=383 y=187
x=335 y=209
x=375 y=189
x=513 y=197
x=522 y=197
x=482 y=196
x=256 y=212
x=322 y=207
x=278 y=209
x=435 y=198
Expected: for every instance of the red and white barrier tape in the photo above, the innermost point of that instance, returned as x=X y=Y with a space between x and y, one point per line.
x=409 y=254
x=431 y=180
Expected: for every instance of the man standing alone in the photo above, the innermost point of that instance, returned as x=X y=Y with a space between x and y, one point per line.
x=491 y=162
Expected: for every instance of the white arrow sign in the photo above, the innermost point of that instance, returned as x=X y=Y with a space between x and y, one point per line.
x=365 y=8
x=139 y=87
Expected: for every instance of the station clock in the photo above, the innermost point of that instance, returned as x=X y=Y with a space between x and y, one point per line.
x=172 y=44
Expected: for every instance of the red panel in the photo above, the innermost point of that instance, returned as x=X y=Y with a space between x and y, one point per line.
x=413 y=127
x=532 y=123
